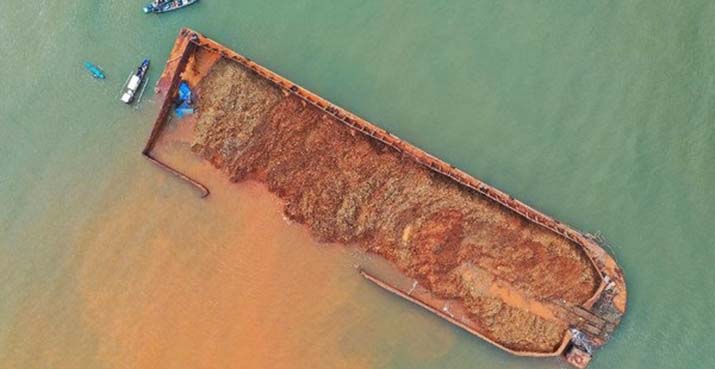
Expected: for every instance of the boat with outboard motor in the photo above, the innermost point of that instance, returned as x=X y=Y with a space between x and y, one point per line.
x=163 y=6
x=134 y=82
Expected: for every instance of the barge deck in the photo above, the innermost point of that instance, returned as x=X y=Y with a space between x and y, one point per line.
x=490 y=264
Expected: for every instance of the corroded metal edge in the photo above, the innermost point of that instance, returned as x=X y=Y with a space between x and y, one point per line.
x=423 y=302
x=166 y=88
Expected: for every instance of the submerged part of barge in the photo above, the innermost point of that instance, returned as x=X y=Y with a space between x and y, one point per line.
x=499 y=269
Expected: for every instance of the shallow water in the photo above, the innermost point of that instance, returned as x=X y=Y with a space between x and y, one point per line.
x=599 y=114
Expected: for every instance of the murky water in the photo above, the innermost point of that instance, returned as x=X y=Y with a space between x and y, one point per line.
x=598 y=113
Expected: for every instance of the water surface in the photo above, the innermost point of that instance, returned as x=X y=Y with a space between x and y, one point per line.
x=599 y=113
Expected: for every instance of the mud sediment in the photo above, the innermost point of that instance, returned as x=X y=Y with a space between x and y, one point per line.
x=348 y=188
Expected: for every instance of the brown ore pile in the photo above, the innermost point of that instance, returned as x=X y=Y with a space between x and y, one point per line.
x=349 y=188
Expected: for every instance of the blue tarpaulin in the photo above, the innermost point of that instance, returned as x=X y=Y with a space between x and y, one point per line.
x=184 y=109
x=185 y=92
x=185 y=96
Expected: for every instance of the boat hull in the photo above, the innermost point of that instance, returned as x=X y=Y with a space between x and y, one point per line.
x=94 y=70
x=134 y=82
x=168 y=7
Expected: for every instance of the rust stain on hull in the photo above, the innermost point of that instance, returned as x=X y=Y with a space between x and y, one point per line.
x=520 y=279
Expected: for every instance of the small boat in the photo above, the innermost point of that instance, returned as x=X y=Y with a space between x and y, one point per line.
x=96 y=72
x=134 y=82
x=163 y=6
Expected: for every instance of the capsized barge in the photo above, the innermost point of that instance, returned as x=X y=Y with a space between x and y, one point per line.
x=475 y=256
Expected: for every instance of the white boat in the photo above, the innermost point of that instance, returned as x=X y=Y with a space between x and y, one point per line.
x=134 y=82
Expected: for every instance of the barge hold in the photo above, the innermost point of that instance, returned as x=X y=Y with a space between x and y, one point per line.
x=477 y=257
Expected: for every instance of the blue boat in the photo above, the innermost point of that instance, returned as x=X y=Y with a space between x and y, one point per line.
x=96 y=72
x=163 y=6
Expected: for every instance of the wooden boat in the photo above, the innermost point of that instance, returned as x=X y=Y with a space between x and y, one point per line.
x=158 y=7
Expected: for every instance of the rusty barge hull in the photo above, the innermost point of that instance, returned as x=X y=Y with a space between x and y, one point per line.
x=592 y=312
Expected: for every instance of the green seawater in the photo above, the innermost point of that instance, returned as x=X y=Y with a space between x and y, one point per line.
x=600 y=113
